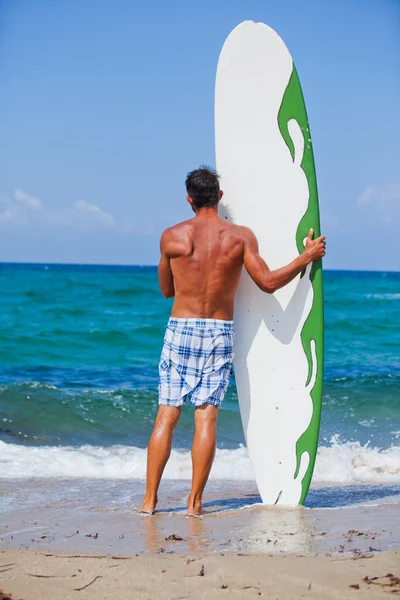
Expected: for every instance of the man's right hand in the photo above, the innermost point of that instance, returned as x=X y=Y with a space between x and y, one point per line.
x=314 y=249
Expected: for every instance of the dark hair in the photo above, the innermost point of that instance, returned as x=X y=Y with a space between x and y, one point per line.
x=202 y=185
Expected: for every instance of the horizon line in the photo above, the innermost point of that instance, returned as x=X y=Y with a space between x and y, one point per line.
x=77 y=264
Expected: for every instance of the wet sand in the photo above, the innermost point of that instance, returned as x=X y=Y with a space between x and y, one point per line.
x=101 y=517
x=61 y=536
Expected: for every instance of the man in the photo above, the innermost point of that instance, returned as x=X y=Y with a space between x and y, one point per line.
x=200 y=266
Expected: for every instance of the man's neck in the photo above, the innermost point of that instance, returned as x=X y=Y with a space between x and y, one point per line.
x=210 y=212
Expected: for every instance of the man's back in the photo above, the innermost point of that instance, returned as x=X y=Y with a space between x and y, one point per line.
x=206 y=257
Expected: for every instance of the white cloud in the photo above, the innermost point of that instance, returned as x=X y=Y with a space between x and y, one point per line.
x=383 y=202
x=27 y=201
x=94 y=213
x=82 y=216
x=12 y=213
x=366 y=196
x=380 y=195
x=26 y=210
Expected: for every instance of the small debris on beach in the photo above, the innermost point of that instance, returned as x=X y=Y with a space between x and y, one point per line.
x=224 y=586
x=45 y=576
x=95 y=536
x=174 y=538
x=386 y=581
x=355 y=586
x=87 y=585
x=250 y=587
x=354 y=533
x=202 y=571
x=4 y=596
x=72 y=535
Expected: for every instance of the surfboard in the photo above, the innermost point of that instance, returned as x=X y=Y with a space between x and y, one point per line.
x=265 y=159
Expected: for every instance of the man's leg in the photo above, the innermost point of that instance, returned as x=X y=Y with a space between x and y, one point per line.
x=203 y=452
x=158 y=452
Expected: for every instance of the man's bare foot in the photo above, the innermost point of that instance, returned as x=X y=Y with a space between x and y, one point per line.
x=195 y=508
x=149 y=506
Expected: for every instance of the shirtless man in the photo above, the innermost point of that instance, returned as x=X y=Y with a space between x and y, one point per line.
x=200 y=266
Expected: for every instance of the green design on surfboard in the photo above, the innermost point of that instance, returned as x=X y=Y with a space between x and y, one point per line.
x=293 y=107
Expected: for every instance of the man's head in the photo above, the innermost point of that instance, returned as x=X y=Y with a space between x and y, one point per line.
x=202 y=186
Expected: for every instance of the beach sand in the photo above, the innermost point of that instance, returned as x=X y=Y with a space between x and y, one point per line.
x=31 y=575
x=60 y=535
x=64 y=515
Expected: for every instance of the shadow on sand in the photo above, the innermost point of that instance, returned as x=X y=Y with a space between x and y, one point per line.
x=328 y=497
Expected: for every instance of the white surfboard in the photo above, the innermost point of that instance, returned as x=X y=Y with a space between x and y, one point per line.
x=265 y=159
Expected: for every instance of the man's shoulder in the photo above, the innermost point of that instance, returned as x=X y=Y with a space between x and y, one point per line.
x=176 y=234
x=240 y=231
x=177 y=229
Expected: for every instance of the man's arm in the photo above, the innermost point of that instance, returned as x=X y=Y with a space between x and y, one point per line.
x=165 y=277
x=270 y=281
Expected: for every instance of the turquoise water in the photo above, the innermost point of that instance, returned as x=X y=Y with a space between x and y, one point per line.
x=79 y=349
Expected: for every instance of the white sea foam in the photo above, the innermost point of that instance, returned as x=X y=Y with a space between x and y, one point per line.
x=341 y=462
x=383 y=296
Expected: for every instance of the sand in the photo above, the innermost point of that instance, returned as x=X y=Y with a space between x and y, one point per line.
x=32 y=575
x=64 y=516
x=85 y=538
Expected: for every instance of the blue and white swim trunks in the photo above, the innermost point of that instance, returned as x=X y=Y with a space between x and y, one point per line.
x=196 y=361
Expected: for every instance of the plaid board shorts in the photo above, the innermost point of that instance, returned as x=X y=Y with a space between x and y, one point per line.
x=196 y=361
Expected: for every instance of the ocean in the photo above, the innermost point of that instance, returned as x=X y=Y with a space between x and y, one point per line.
x=79 y=350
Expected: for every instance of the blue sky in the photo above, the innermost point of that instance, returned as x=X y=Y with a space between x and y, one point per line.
x=106 y=105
